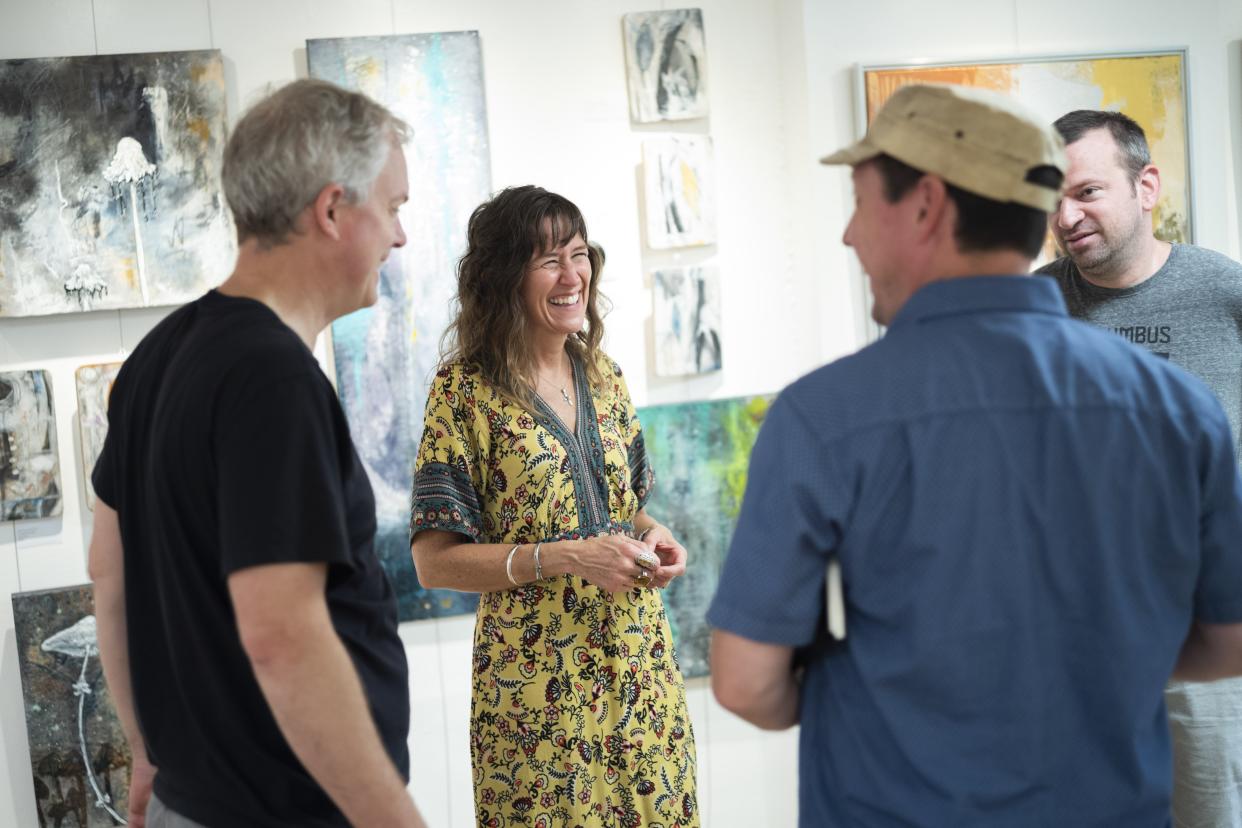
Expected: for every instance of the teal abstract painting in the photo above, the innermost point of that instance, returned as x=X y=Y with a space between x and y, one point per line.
x=700 y=452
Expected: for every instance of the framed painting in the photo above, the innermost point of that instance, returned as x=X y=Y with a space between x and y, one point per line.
x=386 y=355
x=110 y=193
x=686 y=321
x=679 y=179
x=79 y=759
x=666 y=65
x=1150 y=87
x=700 y=452
x=30 y=485
x=94 y=384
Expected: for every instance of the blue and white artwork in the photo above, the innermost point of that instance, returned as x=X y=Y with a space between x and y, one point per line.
x=666 y=65
x=110 y=193
x=386 y=355
x=686 y=321
x=30 y=484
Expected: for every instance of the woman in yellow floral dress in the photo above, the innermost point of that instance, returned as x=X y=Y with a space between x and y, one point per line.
x=529 y=489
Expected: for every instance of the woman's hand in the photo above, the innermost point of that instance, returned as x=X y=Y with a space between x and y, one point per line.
x=672 y=555
x=610 y=562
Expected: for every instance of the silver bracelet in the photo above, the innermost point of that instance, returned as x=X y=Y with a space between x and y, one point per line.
x=643 y=533
x=509 y=565
x=538 y=566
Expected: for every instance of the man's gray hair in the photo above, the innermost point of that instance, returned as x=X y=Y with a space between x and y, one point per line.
x=296 y=141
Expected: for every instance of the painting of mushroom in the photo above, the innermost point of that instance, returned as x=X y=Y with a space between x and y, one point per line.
x=110 y=192
x=30 y=484
x=78 y=756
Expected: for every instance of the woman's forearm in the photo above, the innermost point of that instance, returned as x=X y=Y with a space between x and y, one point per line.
x=443 y=561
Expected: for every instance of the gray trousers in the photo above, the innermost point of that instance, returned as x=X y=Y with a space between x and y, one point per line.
x=159 y=816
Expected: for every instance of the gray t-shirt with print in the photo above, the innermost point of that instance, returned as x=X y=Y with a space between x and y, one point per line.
x=1189 y=312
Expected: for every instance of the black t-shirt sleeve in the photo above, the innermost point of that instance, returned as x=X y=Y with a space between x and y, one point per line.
x=280 y=476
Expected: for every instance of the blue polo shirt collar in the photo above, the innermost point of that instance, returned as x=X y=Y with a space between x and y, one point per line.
x=981 y=294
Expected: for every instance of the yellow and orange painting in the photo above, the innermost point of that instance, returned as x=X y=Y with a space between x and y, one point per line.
x=1150 y=88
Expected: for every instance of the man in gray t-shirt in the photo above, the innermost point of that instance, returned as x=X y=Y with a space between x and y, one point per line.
x=1185 y=304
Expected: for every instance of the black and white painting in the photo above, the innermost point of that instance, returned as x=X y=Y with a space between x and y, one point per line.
x=679 y=180
x=79 y=759
x=666 y=65
x=30 y=485
x=110 y=192
x=686 y=321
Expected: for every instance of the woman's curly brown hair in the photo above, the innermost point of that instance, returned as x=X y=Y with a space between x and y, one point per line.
x=490 y=329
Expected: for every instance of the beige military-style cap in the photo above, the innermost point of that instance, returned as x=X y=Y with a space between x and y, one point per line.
x=980 y=141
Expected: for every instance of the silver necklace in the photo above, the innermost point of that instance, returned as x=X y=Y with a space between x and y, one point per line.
x=564 y=393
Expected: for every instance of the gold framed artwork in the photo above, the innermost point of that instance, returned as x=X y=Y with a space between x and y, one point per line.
x=1150 y=87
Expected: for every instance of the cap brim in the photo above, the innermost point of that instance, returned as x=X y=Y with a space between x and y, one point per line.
x=852 y=155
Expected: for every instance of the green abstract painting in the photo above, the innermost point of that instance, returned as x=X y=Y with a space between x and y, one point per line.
x=700 y=452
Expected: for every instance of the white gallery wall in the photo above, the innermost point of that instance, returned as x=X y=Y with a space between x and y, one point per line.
x=782 y=83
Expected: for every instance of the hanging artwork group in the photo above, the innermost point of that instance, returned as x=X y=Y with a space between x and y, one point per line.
x=666 y=69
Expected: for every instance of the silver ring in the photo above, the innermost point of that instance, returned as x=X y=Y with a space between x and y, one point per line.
x=647 y=560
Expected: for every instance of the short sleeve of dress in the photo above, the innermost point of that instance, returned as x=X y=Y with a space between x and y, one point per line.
x=642 y=476
x=448 y=474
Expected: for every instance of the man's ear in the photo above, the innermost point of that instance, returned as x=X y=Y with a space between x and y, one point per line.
x=1148 y=187
x=326 y=208
x=930 y=200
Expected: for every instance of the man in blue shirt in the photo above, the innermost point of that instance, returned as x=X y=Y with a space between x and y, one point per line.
x=1036 y=522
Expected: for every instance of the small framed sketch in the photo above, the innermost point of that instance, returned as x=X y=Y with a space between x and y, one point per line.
x=679 y=179
x=666 y=65
x=30 y=485
x=686 y=321
x=94 y=386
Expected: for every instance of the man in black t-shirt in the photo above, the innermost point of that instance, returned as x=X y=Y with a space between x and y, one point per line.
x=247 y=631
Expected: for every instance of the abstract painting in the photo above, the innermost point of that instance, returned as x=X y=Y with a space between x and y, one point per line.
x=700 y=452
x=666 y=65
x=30 y=485
x=686 y=317
x=680 y=185
x=78 y=754
x=386 y=355
x=94 y=386
x=1150 y=88
x=110 y=192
